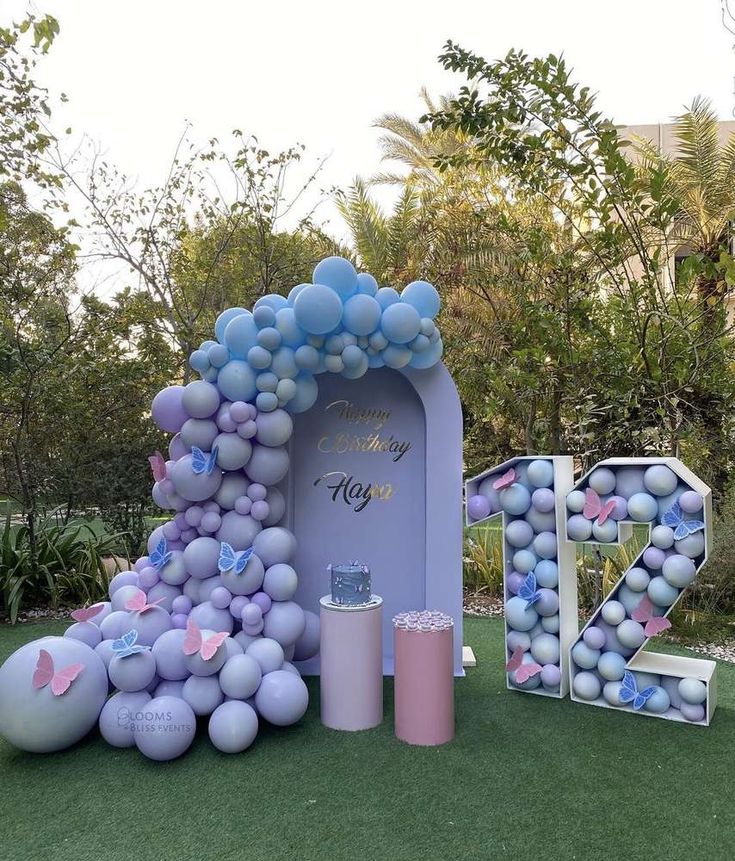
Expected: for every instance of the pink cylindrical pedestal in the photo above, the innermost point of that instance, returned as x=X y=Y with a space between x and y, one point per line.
x=424 y=685
x=351 y=655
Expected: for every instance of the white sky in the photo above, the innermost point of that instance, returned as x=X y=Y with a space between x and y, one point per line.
x=319 y=72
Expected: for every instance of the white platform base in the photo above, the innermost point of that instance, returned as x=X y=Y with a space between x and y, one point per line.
x=468 y=657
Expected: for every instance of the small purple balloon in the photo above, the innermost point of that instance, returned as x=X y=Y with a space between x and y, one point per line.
x=620 y=512
x=241 y=412
x=237 y=605
x=690 y=502
x=193 y=515
x=257 y=492
x=543 y=500
x=260 y=510
x=181 y=604
x=243 y=504
x=550 y=675
x=513 y=581
x=220 y=597
x=478 y=507
x=178 y=620
x=594 y=637
x=263 y=601
x=148 y=578
x=653 y=558
x=252 y=614
x=211 y=521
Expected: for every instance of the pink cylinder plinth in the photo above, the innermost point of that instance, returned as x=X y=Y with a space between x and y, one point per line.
x=424 y=686
x=351 y=655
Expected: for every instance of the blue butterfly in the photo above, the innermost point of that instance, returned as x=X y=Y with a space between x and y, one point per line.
x=228 y=559
x=201 y=462
x=528 y=590
x=125 y=646
x=675 y=519
x=160 y=556
x=629 y=692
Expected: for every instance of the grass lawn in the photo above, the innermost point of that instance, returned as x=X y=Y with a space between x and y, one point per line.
x=526 y=778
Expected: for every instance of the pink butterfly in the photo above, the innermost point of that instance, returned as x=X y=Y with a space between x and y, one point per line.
x=45 y=673
x=505 y=480
x=139 y=602
x=158 y=466
x=644 y=613
x=84 y=614
x=194 y=642
x=594 y=508
x=523 y=671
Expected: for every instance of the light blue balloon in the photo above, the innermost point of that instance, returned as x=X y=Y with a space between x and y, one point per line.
x=318 y=309
x=269 y=337
x=396 y=356
x=524 y=561
x=266 y=382
x=659 y=701
x=547 y=574
x=428 y=358
x=295 y=292
x=545 y=649
x=240 y=335
x=579 y=528
x=307 y=358
x=423 y=297
x=259 y=358
x=515 y=499
x=544 y=545
x=691 y=546
x=602 y=480
x=284 y=364
x=387 y=296
x=586 y=685
x=611 y=666
x=584 y=657
x=224 y=318
x=637 y=579
x=613 y=612
x=291 y=333
x=541 y=473
x=662 y=593
x=518 y=615
x=628 y=598
x=266 y=402
x=662 y=537
x=236 y=381
x=679 y=570
x=361 y=314
x=551 y=624
x=660 y=480
x=337 y=273
x=272 y=300
x=611 y=693
x=352 y=356
x=692 y=691
x=334 y=345
x=199 y=361
x=642 y=507
x=367 y=284
x=218 y=355
x=400 y=323
x=575 y=501
x=264 y=316
x=631 y=634
x=605 y=532
x=518 y=533
x=629 y=481
x=307 y=391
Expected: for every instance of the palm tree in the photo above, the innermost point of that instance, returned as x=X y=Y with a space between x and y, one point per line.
x=698 y=183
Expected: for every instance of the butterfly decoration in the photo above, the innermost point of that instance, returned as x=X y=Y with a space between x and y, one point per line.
x=523 y=671
x=194 y=642
x=675 y=519
x=125 y=646
x=644 y=613
x=139 y=602
x=528 y=590
x=594 y=508
x=229 y=559
x=158 y=466
x=629 y=692
x=84 y=614
x=202 y=462
x=161 y=555
x=505 y=480
x=45 y=673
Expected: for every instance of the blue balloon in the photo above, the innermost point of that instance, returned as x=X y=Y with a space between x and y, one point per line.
x=270 y=338
x=264 y=316
x=241 y=334
x=396 y=356
x=218 y=355
x=428 y=358
x=199 y=361
x=367 y=284
x=358 y=370
x=423 y=297
x=306 y=393
x=361 y=314
x=352 y=357
x=283 y=364
x=295 y=292
x=224 y=318
x=318 y=309
x=400 y=323
x=259 y=358
x=236 y=381
x=272 y=300
x=387 y=296
x=266 y=402
x=292 y=335
x=307 y=358
x=338 y=274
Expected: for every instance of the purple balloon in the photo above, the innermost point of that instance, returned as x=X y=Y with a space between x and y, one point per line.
x=262 y=600
x=478 y=507
x=653 y=558
x=543 y=499
x=167 y=409
x=513 y=581
x=166 y=729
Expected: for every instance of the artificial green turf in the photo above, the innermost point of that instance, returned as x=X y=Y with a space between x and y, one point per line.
x=527 y=777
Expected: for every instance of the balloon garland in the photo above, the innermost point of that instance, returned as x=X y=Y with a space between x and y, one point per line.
x=205 y=624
